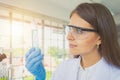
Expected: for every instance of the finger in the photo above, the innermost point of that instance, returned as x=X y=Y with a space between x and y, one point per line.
x=33 y=55
x=36 y=59
x=31 y=65
x=38 y=63
x=38 y=49
x=29 y=52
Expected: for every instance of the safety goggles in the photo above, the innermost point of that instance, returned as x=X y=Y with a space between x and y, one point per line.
x=78 y=32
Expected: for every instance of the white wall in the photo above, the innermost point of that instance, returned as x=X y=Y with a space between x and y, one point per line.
x=117 y=19
x=41 y=6
x=60 y=9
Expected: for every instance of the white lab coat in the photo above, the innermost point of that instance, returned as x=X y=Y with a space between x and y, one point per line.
x=71 y=70
x=3 y=70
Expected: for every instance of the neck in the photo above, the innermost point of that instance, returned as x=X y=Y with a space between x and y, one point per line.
x=89 y=60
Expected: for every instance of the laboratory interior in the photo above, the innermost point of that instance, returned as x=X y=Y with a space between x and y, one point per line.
x=38 y=23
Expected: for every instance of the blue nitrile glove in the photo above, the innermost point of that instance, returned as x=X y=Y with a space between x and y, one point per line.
x=34 y=63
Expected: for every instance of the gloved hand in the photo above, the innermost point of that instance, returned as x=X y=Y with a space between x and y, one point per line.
x=34 y=63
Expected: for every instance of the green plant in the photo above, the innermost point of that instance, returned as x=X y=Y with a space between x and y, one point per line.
x=48 y=76
x=4 y=78
x=49 y=73
x=56 y=52
x=29 y=78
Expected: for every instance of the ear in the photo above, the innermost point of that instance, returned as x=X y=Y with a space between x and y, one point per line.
x=98 y=40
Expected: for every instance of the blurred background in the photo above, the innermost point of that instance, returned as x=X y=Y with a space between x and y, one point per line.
x=27 y=23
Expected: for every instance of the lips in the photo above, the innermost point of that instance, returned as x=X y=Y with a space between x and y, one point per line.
x=72 y=46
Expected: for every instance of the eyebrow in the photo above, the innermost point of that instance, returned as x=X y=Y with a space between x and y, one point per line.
x=84 y=29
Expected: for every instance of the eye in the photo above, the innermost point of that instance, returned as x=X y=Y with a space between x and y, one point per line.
x=70 y=28
x=79 y=31
x=67 y=29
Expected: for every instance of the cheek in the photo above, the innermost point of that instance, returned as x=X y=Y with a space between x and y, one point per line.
x=90 y=41
x=84 y=46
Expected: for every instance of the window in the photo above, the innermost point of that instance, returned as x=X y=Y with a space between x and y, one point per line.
x=16 y=38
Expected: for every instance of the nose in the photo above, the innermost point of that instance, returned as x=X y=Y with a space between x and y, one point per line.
x=70 y=37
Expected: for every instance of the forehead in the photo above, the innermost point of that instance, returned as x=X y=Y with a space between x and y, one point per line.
x=76 y=20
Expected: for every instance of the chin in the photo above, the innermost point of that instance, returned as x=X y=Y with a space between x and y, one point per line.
x=76 y=53
x=73 y=52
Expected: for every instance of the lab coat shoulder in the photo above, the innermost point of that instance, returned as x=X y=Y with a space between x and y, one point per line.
x=111 y=72
x=115 y=72
x=66 y=70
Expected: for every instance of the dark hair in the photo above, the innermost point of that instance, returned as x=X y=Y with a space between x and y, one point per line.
x=101 y=19
x=2 y=56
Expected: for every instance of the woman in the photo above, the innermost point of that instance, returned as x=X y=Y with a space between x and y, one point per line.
x=92 y=40
x=3 y=67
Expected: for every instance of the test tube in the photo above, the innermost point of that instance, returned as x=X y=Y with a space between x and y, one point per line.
x=35 y=38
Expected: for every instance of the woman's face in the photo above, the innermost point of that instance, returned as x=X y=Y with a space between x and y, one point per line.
x=84 y=42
